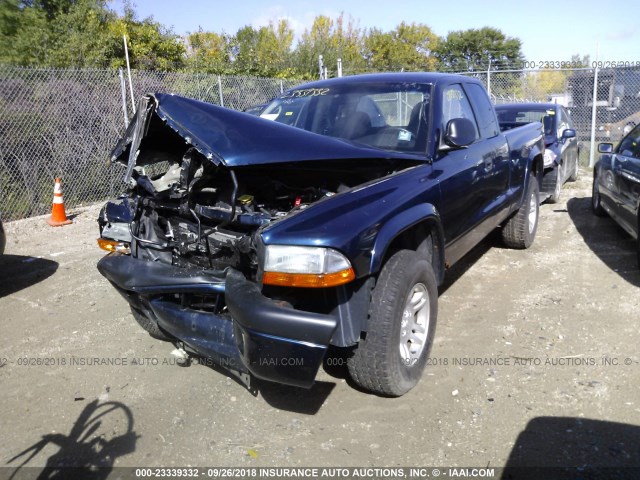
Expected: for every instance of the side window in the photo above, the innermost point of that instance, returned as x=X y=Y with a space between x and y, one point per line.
x=484 y=110
x=630 y=145
x=455 y=104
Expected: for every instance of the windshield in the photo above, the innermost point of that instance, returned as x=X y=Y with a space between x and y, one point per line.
x=513 y=117
x=390 y=116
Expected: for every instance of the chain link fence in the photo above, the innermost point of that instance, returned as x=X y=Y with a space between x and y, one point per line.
x=616 y=109
x=65 y=122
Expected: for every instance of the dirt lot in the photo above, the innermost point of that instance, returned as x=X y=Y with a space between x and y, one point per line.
x=535 y=362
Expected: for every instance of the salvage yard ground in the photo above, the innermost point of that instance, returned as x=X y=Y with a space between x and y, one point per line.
x=535 y=362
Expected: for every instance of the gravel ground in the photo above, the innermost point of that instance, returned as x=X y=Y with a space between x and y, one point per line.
x=535 y=362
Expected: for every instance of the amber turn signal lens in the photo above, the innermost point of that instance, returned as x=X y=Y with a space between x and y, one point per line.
x=114 y=246
x=309 y=280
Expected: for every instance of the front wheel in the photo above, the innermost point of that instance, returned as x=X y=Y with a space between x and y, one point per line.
x=520 y=229
x=392 y=356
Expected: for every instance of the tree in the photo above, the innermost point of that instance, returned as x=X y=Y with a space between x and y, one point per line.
x=24 y=34
x=407 y=47
x=208 y=52
x=263 y=52
x=477 y=49
x=82 y=33
x=151 y=45
x=333 y=40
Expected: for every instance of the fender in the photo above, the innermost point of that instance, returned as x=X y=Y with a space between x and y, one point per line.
x=422 y=213
x=535 y=152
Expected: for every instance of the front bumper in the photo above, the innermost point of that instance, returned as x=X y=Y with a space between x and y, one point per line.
x=270 y=341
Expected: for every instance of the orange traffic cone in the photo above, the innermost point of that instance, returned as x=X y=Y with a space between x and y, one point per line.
x=58 y=217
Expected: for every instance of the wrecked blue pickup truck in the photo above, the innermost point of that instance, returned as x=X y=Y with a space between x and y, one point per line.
x=328 y=220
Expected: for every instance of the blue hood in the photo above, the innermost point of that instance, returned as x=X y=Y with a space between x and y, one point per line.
x=233 y=138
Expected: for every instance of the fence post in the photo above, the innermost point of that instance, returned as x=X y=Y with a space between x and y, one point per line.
x=339 y=67
x=489 y=79
x=123 y=91
x=126 y=54
x=220 y=91
x=281 y=88
x=593 y=118
x=321 y=66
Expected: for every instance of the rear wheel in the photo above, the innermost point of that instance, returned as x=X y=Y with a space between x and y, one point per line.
x=553 y=180
x=404 y=308
x=576 y=171
x=151 y=326
x=596 y=202
x=520 y=229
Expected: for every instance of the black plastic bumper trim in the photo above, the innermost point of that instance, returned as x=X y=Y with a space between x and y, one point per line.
x=254 y=311
x=157 y=278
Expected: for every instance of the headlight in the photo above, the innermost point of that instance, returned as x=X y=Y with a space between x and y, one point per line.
x=549 y=157
x=311 y=267
x=114 y=246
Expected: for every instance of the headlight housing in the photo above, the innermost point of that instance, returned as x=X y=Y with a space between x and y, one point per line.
x=549 y=157
x=310 y=267
x=114 y=246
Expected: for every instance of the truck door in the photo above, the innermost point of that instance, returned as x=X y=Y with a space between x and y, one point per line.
x=626 y=171
x=473 y=181
x=497 y=174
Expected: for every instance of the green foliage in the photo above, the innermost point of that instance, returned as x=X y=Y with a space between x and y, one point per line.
x=88 y=34
x=82 y=34
x=208 y=52
x=476 y=49
x=151 y=45
x=408 y=47
x=333 y=40
x=261 y=52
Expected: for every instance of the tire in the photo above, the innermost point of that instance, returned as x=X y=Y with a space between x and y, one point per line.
x=576 y=171
x=520 y=230
x=596 y=202
x=384 y=362
x=553 y=180
x=149 y=325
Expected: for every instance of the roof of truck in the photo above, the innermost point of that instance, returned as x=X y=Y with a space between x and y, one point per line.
x=408 y=77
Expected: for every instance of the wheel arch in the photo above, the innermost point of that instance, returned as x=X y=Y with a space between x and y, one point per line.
x=418 y=229
x=537 y=168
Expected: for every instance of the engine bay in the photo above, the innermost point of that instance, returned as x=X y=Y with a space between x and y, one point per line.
x=193 y=212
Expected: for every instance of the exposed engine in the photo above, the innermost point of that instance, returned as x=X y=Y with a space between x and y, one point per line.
x=194 y=213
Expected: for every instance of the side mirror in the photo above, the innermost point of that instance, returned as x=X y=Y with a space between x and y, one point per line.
x=605 y=147
x=461 y=132
x=568 y=133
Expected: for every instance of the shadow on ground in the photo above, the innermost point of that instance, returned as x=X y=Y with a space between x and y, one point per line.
x=18 y=272
x=297 y=400
x=575 y=448
x=282 y=397
x=89 y=450
x=606 y=239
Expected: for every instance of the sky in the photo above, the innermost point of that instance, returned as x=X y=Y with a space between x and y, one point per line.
x=550 y=30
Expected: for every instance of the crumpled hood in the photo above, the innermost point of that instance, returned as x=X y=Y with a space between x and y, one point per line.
x=234 y=138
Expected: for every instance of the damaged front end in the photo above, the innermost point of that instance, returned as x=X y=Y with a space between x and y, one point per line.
x=187 y=240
